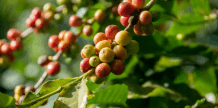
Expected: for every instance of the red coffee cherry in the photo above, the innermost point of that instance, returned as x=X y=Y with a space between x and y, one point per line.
x=33 y=17
x=19 y=90
x=75 y=21
x=125 y=9
x=124 y=21
x=30 y=23
x=53 y=41
x=55 y=49
x=87 y=30
x=145 y=17
x=5 y=48
x=115 y=10
x=61 y=34
x=43 y=60
x=102 y=70
x=84 y=65
x=13 y=34
x=99 y=37
x=53 y=68
x=111 y=31
x=29 y=88
x=129 y=1
x=40 y=23
x=36 y=12
x=16 y=45
x=117 y=67
x=137 y=29
x=138 y=3
x=63 y=46
x=99 y=15
x=69 y=37
x=120 y=52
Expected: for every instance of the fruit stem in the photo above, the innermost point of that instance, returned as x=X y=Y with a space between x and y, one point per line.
x=41 y=80
x=57 y=56
x=26 y=32
x=149 y=5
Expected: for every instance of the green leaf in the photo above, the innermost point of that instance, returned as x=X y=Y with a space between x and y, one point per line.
x=128 y=69
x=73 y=96
x=99 y=6
x=186 y=24
x=6 y=101
x=29 y=97
x=200 y=6
x=91 y=85
x=114 y=94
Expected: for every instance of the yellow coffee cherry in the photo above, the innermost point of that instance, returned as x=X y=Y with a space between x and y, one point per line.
x=123 y=38
x=120 y=52
x=106 y=55
x=103 y=44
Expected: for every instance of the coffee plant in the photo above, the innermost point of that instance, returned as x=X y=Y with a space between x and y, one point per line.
x=109 y=54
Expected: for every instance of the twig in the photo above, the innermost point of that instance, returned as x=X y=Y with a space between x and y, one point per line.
x=41 y=80
x=149 y=4
x=26 y=32
x=57 y=56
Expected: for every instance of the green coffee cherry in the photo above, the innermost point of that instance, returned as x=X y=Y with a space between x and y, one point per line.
x=155 y=15
x=132 y=47
x=94 y=61
x=48 y=7
x=147 y=29
x=94 y=78
x=89 y=51
x=65 y=11
x=58 y=17
x=61 y=2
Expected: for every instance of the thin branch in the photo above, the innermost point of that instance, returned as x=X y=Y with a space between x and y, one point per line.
x=41 y=80
x=26 y=32
x=149 y=4
x=57 y=56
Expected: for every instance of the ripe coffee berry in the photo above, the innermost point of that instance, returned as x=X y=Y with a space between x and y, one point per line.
x=43 y=60
x=69 y=37
x=138 y=3
x=129 y=1
x=13 y=34
x=111 y=31
x=87 y=30
x=29 y=88
x=102 y=44
x=155 y=15
x=53 y=68
x=117 y=67
x=84 y=65
x=5 y=48
x=120 y=52
x=63 y=46
x=94 y=78
x=99 y=15
x=75 y=21
x=99 y=37
x=137 y=29
x=132 y=47
x=124 y=21
x=55 y=49
x=125 y=9
x=40 y=23
x=16 y=45
x=94 y=61
x=145 y=17
x=30 y=22
x=36 y=12
x=89 y=51
x=106 y=55
x=53 y=41
x=123 y=38
x=19 y=90
x=61 y=35
x=102 y=70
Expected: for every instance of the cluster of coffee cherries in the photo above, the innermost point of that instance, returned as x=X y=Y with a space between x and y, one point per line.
x=20 y=91
x=143 y=18
x=108 y=55
x=76 y=21
x=6 y=49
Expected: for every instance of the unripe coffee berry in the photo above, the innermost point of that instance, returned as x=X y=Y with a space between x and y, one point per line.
x=5 y=48
x=111 y=31
x=53 y=41
x=155 y=15
x=84 y=65
x=102 y=70
x=63 y=46
x=43 y=60
x=106 y=55
x=87 y=30
x=53 y=68
x=19 y=90
x=58 y=17
x=99 y=37
x=94 y=61
x=124 y=21
x=21 y=99
x=132 y=47
x=48 y=16
x=16 y=97
x=48 y=7
x=123 y=38
x=13 y=34
x=81 y=53
x=145 y=17
x=120 y=52
x=147 y=29
x=102 y=44
x=29 y=88
x=36 y=12
x=117 y=67
x=99 y=15
x=61 y=2
x=138 y=3
x=89 y=51
x=94 y=78
x=69 y=37
x=16 y=45
x=75 y=21
x=125 y=9
x=40 y=23
x=30 y=23
x=61 y=35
